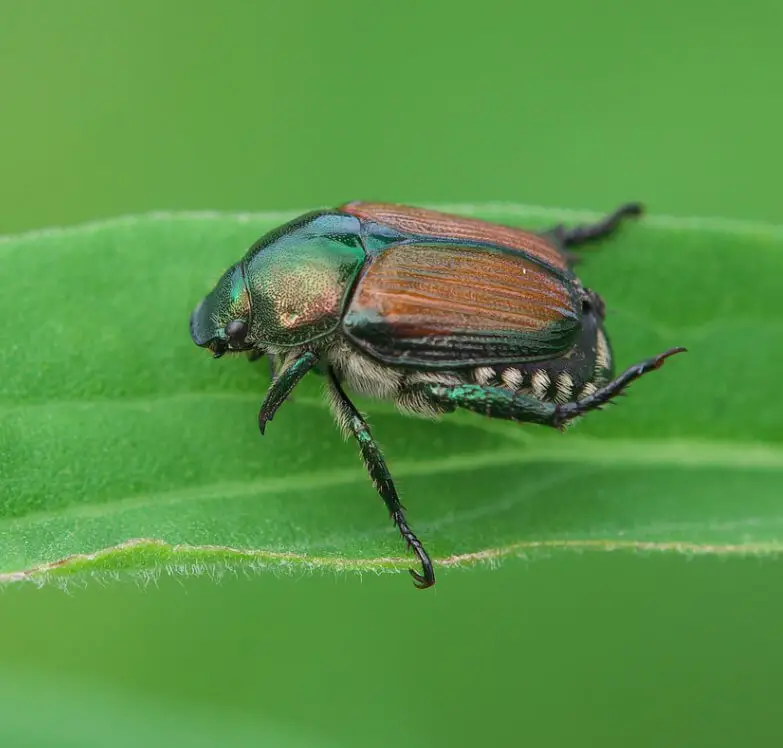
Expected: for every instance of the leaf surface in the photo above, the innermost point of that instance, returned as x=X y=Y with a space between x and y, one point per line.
x=125 y=448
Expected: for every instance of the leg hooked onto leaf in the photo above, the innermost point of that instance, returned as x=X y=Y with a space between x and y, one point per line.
x=349 y=419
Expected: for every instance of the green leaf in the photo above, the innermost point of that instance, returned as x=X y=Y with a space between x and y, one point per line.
x=82 y=712
x=126 y=448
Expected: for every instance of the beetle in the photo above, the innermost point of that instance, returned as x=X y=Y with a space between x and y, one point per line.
x=430 y=310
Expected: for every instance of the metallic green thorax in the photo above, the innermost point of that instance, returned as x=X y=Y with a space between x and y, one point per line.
x=290 y=288
x=299 y=278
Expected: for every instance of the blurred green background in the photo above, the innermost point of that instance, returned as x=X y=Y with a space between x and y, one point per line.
x=112 y=108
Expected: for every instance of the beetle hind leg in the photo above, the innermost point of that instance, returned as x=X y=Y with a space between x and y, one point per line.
x=606 y=394
x=566 y=237
x=499 y=402
x=351 y=421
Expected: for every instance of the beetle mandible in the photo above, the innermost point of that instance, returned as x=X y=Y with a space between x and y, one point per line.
x=430 y=310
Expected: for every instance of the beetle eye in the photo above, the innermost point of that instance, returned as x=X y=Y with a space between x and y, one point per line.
x=236 y=330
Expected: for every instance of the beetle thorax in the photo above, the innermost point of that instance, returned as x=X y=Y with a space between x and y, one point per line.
x=298 y=287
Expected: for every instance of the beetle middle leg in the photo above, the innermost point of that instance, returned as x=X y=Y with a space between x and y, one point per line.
x=350 y=420
x=566 y=237
x=498 y=402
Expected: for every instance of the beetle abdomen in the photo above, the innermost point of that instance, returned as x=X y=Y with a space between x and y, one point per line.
x=567 y=378
x=444 y=305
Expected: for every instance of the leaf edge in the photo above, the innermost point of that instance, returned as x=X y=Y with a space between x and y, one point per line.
x=147 y=558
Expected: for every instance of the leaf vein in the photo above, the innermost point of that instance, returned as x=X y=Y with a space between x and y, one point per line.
x=596 y=452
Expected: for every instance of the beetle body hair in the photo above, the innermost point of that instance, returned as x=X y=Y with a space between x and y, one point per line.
x=371 y=378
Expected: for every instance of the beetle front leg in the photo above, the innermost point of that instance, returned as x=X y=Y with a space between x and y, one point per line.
x=282 y=386
x=350 y=420
x=498 y=402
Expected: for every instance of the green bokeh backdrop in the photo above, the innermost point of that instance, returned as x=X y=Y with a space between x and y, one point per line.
x=111 y=108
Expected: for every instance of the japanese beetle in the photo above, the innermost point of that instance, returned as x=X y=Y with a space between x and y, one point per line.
x=433 y=311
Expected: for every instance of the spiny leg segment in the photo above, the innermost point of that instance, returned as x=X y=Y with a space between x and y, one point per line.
x=350 y=419
x=498 y=402
x=605 y=394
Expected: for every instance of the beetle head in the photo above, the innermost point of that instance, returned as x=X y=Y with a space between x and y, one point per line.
x=222 y=319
